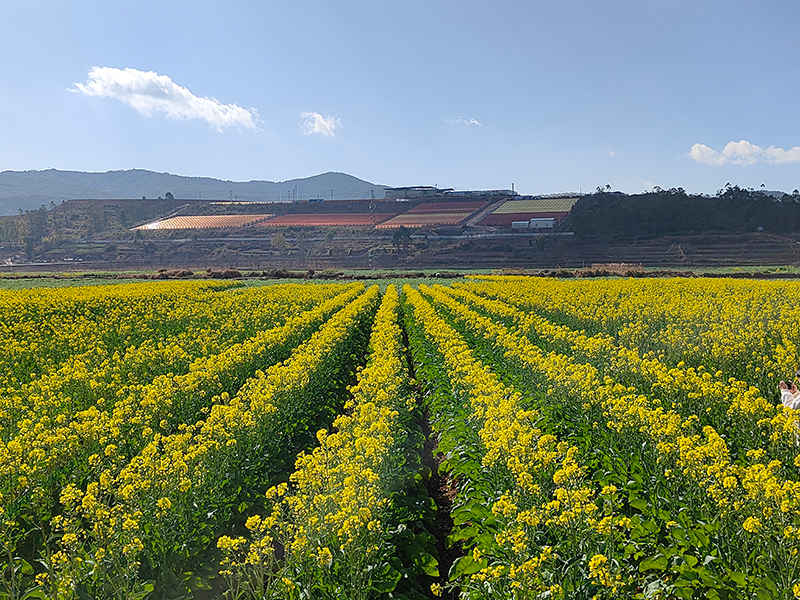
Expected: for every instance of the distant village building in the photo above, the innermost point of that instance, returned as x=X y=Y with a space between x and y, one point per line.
x=482 y=194
x=414 y=192
x=537 y=223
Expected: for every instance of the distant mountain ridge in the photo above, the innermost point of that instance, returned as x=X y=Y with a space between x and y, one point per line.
x=28 y=190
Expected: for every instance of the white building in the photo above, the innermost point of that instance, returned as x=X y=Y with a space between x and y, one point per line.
x=543 y=223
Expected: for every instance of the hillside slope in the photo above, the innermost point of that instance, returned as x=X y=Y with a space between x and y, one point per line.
x=28 y=190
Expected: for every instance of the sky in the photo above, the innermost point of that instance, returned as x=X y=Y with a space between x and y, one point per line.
x=548 y=96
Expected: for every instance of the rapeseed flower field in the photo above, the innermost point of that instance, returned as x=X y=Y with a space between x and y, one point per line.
x=498 y=438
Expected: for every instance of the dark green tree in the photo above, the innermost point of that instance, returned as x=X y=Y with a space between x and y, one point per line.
x=401 y=237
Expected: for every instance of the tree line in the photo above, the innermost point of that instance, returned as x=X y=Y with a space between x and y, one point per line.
x=607 y=216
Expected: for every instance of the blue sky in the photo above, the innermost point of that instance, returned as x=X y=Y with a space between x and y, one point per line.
x=551 y=96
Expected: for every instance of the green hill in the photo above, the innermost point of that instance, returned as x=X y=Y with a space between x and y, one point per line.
x=28 y=190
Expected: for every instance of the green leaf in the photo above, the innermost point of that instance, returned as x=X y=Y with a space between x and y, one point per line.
x=657 y=563
x=465 y=565
x=683 y=592
x=24 y=566
x=464 y=533
x=83 y=595
x=678 y=534
x=480 y=512
x=639 y=504
x=738 y=578
x=427 y=564
x=386 y=580
x=700 y=538
x=199 y=583
x=771 y=586
x=655 y=589
x=691 y=574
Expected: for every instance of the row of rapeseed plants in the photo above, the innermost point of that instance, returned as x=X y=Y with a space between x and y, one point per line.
x=593 y=439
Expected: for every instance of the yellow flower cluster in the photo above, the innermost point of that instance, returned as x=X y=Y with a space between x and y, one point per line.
x=143 y=407
x=550 y=490
x=52 y=437
x=340 y=490
x=42 y=328
x=184 y=467
x=728 y=323
x=707 y=457
x=756 y=490
x=698 y=388
x=600 y=573
x=44 y=346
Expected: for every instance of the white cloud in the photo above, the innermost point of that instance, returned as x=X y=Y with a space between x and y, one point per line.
x=609 y=151
x=744 y=153
x=148 y=92
x=467 y=122
x=313 y=122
